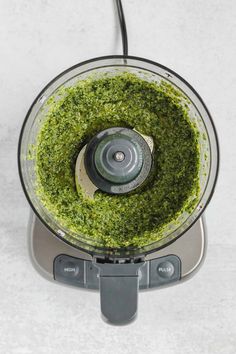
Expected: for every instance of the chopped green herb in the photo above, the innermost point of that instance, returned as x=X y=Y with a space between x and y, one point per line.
x=125 y=100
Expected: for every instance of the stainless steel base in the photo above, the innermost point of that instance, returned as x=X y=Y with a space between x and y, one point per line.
x=118 y=283
x=44 y=247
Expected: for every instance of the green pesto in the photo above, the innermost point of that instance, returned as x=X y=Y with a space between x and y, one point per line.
x=124 y=100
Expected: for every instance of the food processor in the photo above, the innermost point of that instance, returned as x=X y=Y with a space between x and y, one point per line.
x=117 y=161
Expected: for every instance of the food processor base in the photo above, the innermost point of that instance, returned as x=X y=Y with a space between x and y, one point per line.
x=57 y=261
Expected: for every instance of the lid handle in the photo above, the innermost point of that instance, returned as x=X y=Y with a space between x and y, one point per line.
x=119 y=285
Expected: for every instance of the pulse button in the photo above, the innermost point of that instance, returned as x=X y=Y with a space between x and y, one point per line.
x=165 y=269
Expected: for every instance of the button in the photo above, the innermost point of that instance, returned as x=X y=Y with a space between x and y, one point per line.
x=165 y=269
x=70 y=269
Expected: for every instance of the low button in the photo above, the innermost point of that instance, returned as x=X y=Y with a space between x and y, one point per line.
x=70 y=269
x=165 y=269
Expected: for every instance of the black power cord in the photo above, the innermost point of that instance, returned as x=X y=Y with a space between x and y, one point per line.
x=122 y=27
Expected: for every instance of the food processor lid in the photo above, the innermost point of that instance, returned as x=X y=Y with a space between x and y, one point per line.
x=147 y=70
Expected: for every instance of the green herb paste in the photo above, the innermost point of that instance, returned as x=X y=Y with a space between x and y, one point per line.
x=124 y=100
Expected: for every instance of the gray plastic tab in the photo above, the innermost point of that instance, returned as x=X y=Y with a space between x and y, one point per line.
x=119 y=285
x=92 y=276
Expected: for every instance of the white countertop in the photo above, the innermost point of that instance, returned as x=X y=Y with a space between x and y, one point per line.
x=38 y=40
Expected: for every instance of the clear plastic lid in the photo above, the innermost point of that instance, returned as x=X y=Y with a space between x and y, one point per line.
x=146 y=70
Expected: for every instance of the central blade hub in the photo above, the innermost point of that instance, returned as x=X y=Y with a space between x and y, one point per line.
x=116 y=161
x=118 y=158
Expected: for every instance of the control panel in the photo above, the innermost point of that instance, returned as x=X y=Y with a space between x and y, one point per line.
x=82 y=273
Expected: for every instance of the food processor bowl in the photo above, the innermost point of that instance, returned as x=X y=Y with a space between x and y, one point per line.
x=146 y=70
